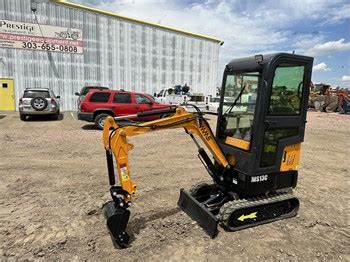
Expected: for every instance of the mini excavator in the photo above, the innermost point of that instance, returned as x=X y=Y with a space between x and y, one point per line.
x=260 y=126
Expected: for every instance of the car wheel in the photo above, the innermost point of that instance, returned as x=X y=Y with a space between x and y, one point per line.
x=39 y=103
x=100 y=120
x=23 y=117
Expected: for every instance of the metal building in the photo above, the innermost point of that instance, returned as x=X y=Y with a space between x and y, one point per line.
x=65 y=46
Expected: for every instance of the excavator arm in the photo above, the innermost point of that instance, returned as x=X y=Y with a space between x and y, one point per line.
x=116 y=143
x=115 y=140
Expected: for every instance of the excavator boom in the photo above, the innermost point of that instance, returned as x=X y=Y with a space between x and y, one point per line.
x=115 y=139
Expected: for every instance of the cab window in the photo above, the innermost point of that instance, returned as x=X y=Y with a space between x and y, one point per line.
x=239 y=104
x=271 y=140
x=286 y=90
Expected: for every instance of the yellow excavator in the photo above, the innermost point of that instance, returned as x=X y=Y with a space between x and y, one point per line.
x=260 y=126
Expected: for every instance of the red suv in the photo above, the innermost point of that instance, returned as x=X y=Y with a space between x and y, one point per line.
x=98 y=104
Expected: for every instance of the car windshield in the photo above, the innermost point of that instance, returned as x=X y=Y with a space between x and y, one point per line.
x=151 y=96
x=36 y=93
x=215 y=99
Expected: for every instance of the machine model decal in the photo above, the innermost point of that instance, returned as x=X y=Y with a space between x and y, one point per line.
x=205 y=132
x=259 y=178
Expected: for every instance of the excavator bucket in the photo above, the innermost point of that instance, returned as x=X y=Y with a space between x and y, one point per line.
x=117 y=221
x=198 y=212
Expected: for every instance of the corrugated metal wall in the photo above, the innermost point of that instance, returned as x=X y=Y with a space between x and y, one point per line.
x=117 y=53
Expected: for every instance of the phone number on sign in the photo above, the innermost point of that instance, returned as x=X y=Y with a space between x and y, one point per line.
x=50 y=47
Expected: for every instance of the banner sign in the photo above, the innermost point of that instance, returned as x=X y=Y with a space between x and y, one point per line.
x=31 y=36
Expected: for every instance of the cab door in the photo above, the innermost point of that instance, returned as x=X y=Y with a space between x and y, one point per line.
x=7 y=95
x=285 y=117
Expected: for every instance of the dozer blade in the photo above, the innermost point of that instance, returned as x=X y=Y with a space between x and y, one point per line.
x=198 y=212
x=117 y=221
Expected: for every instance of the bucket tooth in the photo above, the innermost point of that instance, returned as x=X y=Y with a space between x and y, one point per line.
x=117 y=221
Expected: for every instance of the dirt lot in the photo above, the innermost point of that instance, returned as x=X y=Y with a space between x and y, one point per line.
x=53 y=183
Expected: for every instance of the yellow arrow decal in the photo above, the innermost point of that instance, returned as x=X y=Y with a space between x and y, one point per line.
x=243 y=217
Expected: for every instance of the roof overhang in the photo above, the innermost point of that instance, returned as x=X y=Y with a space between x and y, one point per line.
x=102 y=12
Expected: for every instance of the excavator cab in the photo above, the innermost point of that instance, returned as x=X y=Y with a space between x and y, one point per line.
x=261 y=128
x=256 y=150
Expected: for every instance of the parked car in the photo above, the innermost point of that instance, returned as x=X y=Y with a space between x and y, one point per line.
x=214 y=104
x=175 y=96
x=39 y=101
x=98 y=104
x=215 y=101
x=85 y=90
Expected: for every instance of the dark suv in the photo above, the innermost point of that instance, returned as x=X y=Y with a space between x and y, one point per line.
x=98 y=104
x=85 y=90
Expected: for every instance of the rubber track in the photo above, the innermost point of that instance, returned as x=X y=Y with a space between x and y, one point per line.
x=228 y=208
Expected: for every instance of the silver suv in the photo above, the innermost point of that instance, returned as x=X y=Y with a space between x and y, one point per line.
x=39 y=101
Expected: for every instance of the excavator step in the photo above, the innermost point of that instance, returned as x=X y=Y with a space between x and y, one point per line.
x=244 y=213
x=198 y=212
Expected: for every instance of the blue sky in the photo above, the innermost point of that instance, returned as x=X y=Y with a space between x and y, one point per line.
x=319 y=28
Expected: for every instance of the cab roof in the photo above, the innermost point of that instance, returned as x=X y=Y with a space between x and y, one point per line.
x=252 y=63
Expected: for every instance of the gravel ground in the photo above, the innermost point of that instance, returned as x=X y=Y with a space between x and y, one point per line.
x=53 y=183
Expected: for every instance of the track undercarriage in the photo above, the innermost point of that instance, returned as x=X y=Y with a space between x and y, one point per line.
x=209 y=206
